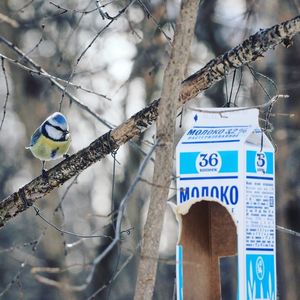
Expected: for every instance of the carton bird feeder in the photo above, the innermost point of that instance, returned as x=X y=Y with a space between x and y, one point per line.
x=225 y=205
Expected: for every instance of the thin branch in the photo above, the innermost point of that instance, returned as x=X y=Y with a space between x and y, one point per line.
x=116 y=274
x=21 y=9
x=48 y=76
x=35 y=46
x=258 y=82
x=56 y=270
x=7 y=92
x=58 y=284
x=157 y=185
x=115 y=240
x=267 y=78
x=83 y=236
x=14 y=279
x=64 y=9
x=45 y=280
x=103 y=14
x=147 y=11
x=121 y=209
x=213 y=72
x=8 y=20
x=112 y=19
x=54 y=81
x=269 y=103
x=239 y=86
x=289 y=231
x=59 y=205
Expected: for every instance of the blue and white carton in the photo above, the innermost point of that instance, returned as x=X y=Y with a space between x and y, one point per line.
x=226 y=158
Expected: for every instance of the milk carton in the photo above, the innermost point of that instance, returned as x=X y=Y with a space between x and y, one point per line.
x=226 y=164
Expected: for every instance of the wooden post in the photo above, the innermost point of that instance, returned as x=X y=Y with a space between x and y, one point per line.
x=208 y=232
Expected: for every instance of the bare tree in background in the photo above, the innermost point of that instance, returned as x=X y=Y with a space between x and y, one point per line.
x=102 y=62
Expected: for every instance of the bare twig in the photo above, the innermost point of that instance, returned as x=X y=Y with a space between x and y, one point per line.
x=59 y=205
x=147 y=11
x=22 y=266
x=14 y=279
x=115 y=240
x=269 y=103
x=103 y=14
x=8 y=20
x=35 y=46
x=214 y=71
x=289 y=231
x=7 y=92
x=121 y=209
x=58 y=284
x=112 y=19
x=53 y=81
x=48 y=76
x=21 y=9
x=65 y=10
x=157 y=185
x=116 y=274
x=83 y=236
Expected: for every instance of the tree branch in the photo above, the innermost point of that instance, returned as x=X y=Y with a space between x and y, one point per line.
x=214 y=71
x=165 y=129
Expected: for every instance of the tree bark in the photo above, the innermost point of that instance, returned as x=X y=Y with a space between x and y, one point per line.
x=252 y=48
x=166 y=120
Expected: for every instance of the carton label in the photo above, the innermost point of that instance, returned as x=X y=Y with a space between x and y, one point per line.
x=260 y=201
x=260 y=216
x=260 y=225
x=214 y=134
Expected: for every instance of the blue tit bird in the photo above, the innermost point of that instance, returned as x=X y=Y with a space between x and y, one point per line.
x=51 y=140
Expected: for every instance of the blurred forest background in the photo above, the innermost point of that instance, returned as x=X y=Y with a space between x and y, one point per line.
x=110 y=55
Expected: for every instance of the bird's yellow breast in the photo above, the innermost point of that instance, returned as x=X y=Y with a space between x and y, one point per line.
x=47 y=149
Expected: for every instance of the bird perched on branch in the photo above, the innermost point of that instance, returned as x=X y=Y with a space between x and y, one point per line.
x=51 y=140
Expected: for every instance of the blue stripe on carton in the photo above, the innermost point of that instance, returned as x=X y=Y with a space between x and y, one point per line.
x=270 y=160
x=251 y=155
x=227 y=161
x=260 y=162
x=188 y=162
x=211 y=142
x=179 y=273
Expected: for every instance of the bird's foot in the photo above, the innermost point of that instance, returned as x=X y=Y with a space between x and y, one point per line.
x=25 y=201
x=44 y=174
x=66 y=155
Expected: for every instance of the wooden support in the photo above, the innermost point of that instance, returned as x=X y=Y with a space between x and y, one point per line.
x=208 y=232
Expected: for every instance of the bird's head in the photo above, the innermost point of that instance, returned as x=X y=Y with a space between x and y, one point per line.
x=56 y=127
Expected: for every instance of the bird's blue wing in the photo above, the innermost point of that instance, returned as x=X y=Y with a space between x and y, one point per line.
x=35 y=136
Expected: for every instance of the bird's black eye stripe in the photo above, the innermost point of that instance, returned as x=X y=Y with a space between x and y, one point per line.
x=45 y=133
x=56 y=127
